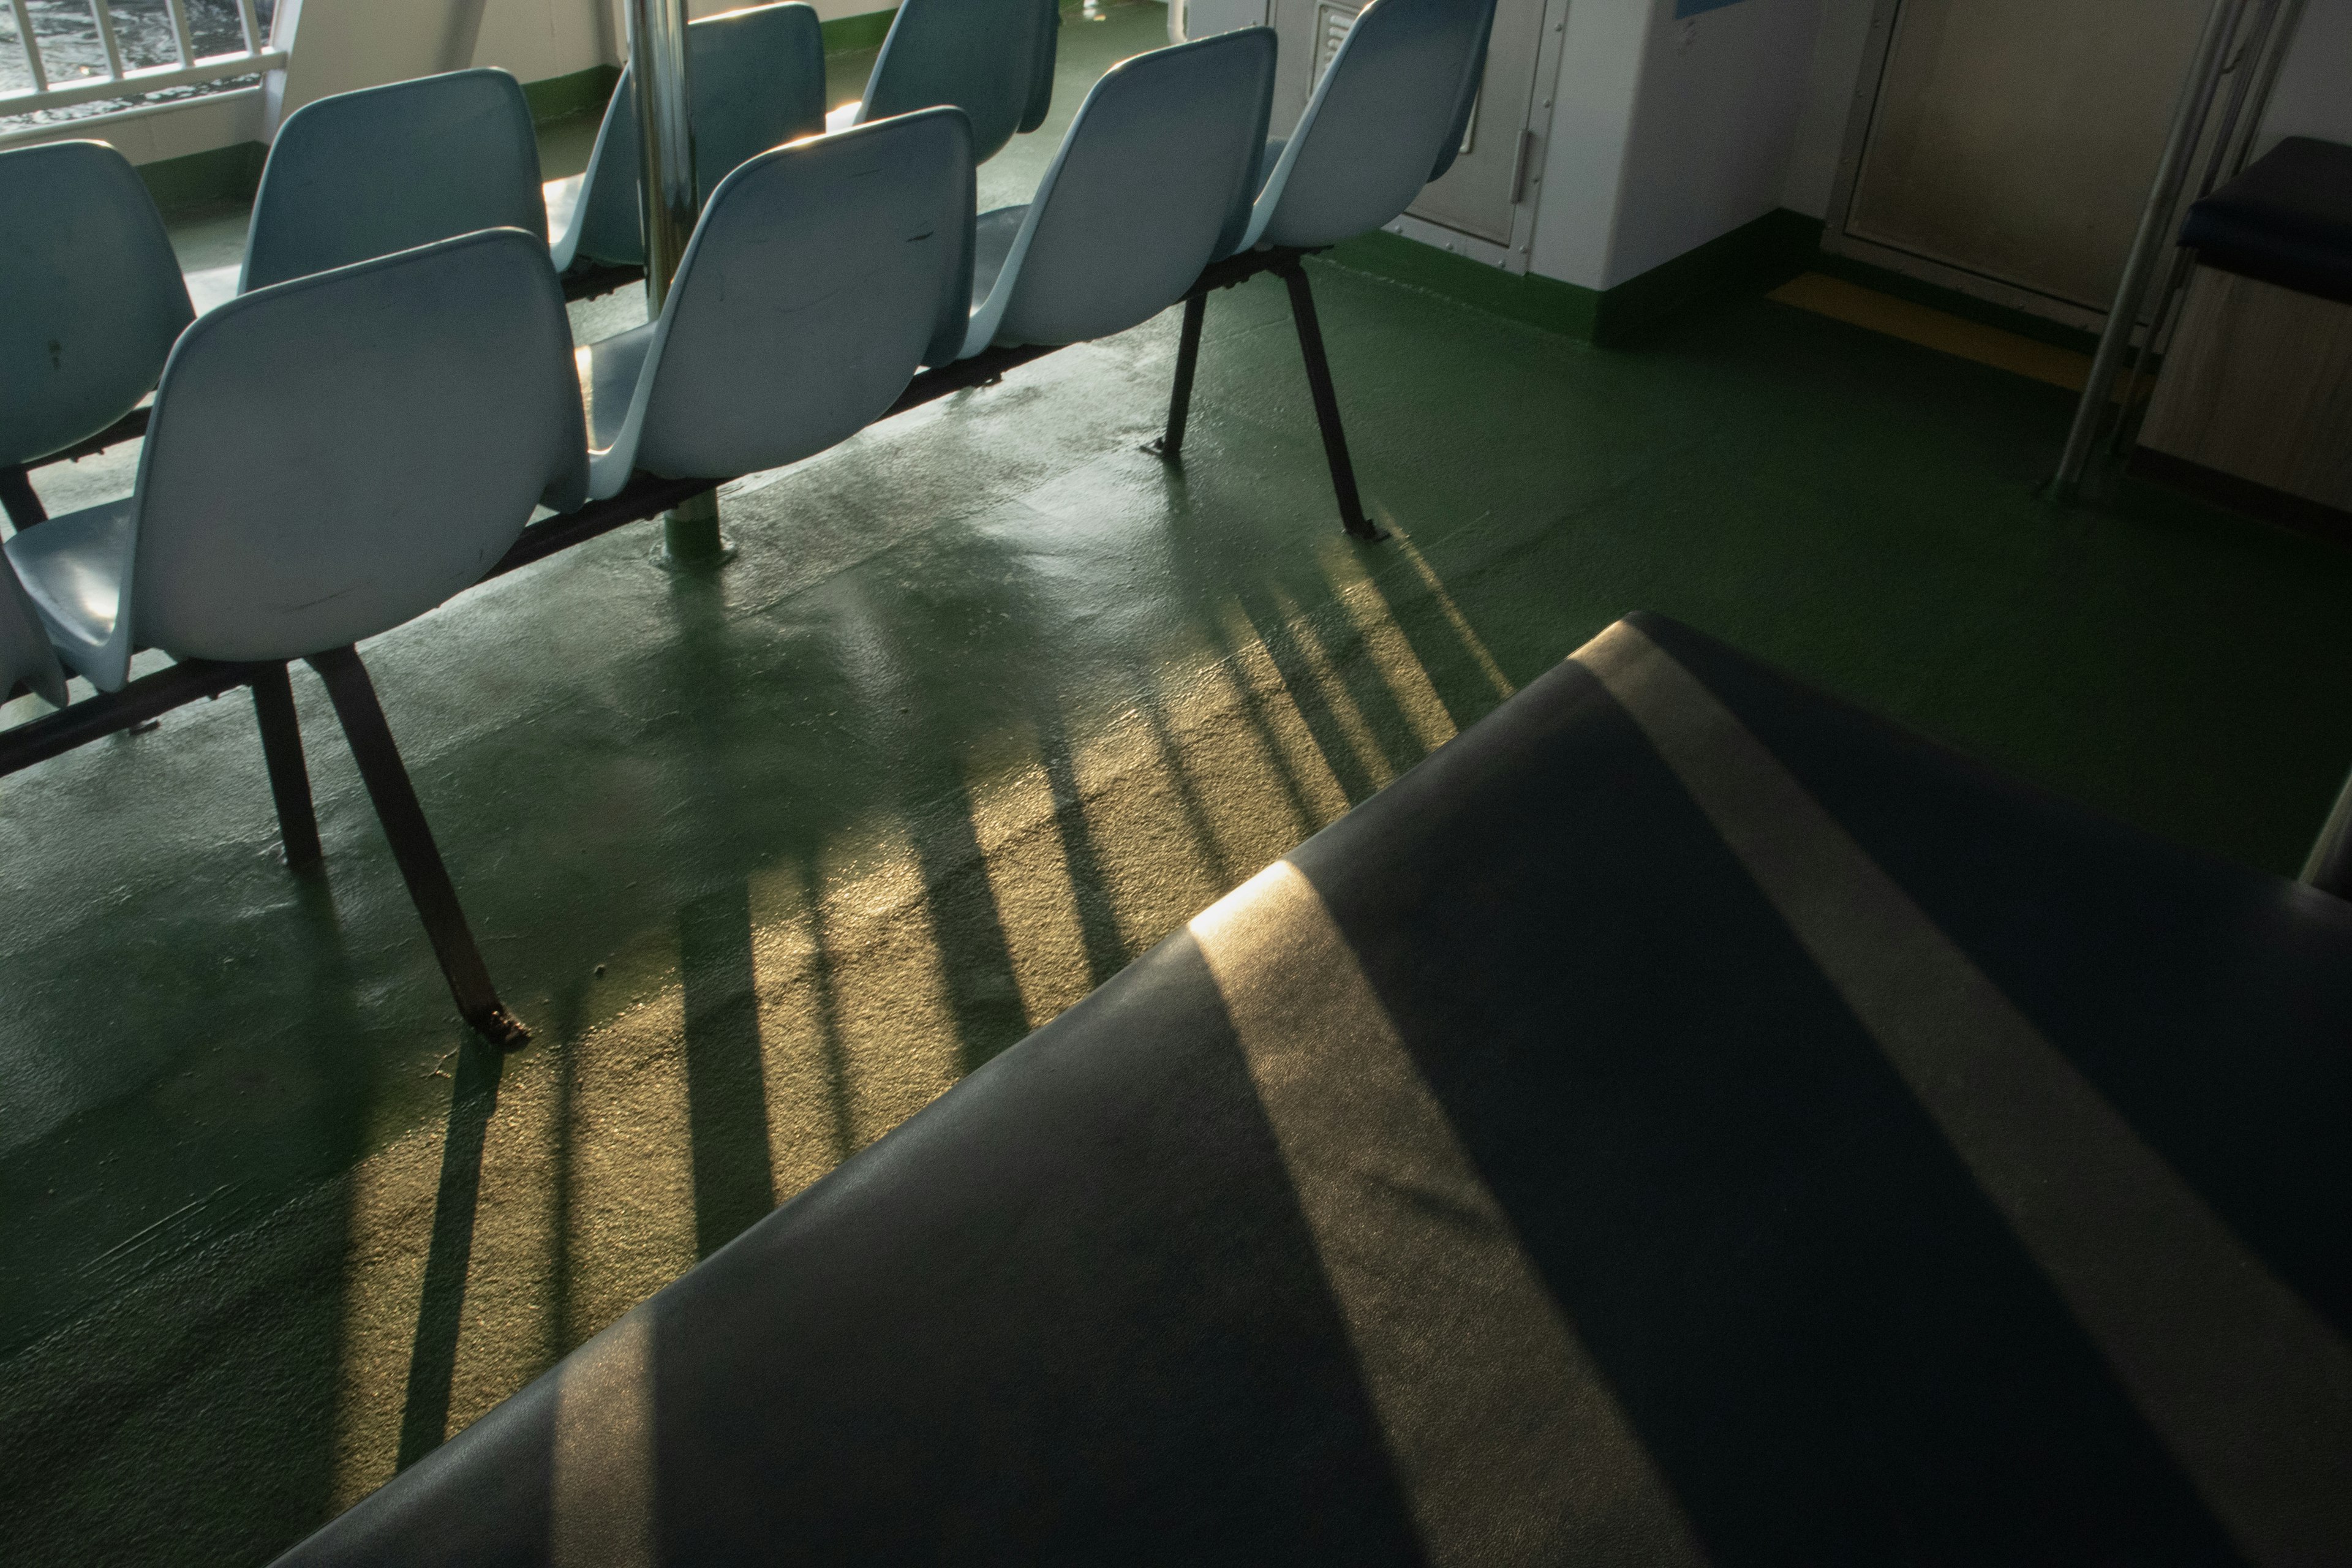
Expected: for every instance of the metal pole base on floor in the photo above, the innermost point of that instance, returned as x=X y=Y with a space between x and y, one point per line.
x=690 y=535
x=419 y=859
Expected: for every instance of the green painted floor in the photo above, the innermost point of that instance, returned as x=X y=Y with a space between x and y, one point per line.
x=989 y=700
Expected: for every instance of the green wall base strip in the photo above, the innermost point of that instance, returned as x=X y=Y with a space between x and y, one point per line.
x=562 y=97
x=1749 y=259
x=199 y=179
x=866 y=31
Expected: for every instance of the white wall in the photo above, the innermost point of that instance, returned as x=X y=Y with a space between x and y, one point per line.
x=1668 y=132
x=168 y=129
x=1584 y=150
x=2313 y=95
x=1714 y=124
x=1830 y=93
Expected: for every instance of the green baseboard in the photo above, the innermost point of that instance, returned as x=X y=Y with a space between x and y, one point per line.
x=200 y=179
x=866 y=31
x=1752 y=258
x=1544 y=302
x=562 y=97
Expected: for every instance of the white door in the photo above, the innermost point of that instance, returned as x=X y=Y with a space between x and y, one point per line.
x=2014 y=141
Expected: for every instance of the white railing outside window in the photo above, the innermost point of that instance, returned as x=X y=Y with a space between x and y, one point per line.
x=72 y=59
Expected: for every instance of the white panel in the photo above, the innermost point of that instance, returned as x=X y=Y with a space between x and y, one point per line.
x=2313 y=95
x=1206 y=18
x=1714 y=124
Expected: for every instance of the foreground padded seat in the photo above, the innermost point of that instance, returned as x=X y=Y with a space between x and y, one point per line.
x=2286 y=220
x=1684 y=1120
x=2253 y=405
x=757 y=78
x=92 y=300
x=821 y=276
x=992 y=58
x=328 y=459
x=365 y=174
x=1152 y=181
x=1387 y=117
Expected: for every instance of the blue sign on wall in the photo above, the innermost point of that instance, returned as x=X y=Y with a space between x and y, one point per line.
x=1693 y=8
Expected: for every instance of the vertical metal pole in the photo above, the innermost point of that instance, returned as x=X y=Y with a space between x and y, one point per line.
x=112 y=45
x=2242 y=68
x=2258 y=101
x=183 y=40
x=671 y=204
x=2149 y=245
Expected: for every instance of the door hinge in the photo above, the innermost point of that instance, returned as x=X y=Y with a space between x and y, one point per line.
x=1519 y=166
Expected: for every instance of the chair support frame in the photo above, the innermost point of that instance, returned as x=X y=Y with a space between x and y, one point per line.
x=430 y=888
x=1288 y=265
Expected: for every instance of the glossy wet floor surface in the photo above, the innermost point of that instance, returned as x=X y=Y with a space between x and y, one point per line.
x=989 y=700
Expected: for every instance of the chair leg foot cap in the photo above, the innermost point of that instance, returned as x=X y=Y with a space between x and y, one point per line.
x=502 y=1028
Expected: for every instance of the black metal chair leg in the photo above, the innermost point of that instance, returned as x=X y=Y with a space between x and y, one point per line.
x=1326 y=401
x=411 y=846
x=18 y=500
x=1188 y=355
x=290 y=779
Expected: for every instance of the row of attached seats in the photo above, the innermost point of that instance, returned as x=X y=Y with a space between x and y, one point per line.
x=332 y=455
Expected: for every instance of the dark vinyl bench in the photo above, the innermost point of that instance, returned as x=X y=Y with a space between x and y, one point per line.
x=1683 y=1119
x=2253 y=406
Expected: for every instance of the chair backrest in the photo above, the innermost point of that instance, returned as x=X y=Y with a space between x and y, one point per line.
x=992 y=58
x=336 y=455
x=1155 y=175
x=91 y=295
x=385 y=169
x=25 y=651
x=821 y=276
x=1381 y=123
x=755 y=79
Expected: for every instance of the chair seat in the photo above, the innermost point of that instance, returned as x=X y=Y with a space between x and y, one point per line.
x=560 y=197
x=73 y=569
x=992 y=234
x=2286 y=220
x=1683 y=1110
x=614 y=366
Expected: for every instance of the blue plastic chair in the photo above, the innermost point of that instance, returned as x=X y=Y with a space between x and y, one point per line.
x=90 y=302
x=26 y=655
x=1387 y=118
x=1152 y=181
x=329 y=458
x=384 y=169
x=821 y=276
x=756 y=79
x=992 y=58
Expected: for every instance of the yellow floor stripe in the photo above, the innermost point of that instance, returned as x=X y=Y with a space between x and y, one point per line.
x=1938 y=330
x=2247 y=1386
